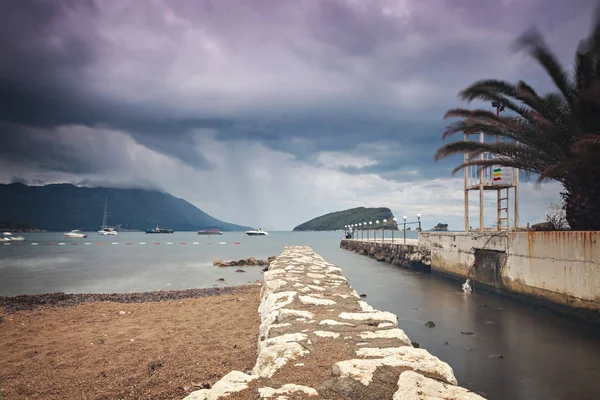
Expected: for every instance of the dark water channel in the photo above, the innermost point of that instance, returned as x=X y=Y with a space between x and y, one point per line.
x=543 y=355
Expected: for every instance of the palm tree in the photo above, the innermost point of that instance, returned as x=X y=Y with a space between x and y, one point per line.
x=555 y=136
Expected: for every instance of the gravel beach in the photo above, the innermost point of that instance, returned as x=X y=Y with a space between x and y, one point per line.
x=49 y=300
x=153 y=345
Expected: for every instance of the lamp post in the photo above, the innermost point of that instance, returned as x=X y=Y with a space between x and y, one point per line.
x=365 y=227
x=394 y=223
x=383 y=231
x=419 y=219
x=369 y=228
x=375 y=231
x=405 y=228
x=362 y=233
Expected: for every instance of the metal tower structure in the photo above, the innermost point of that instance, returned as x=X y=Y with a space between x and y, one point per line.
x=503 y=180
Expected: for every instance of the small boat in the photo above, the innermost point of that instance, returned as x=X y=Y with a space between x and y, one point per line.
x=107 y=231
x=211 y=231
x=75 y=234
x=10 y=238
x=257 y=232
x=159 y=230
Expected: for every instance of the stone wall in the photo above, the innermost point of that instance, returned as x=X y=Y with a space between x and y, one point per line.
x=405 y=255
x=318 y=339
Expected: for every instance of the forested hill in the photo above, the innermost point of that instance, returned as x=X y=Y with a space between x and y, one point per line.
x=337 y=220
x=63 y=207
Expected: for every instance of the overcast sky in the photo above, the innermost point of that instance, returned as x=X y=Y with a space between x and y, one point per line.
x=264 y=112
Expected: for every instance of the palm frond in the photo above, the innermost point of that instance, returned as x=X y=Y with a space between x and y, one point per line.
x=585 y=65
x=533 y=43
x=587 y=142
x=523 y=90
x=561 y=170
x=473 y=147
x=594 y=41
x=500 y=91
x=466 y=113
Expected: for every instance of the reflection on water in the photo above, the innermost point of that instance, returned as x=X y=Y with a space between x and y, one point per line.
x=544 y=355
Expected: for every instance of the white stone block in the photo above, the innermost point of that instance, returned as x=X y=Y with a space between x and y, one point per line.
x=268 y=392
x=414 y=386
x=406 y=357
x=384 y=316
x=316 y=301
x=235 y=381
x=387 y=334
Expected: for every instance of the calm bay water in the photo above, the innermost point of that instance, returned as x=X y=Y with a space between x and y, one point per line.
x=545 y=356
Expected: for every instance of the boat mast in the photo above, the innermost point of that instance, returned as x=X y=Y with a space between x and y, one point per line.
x=105 y=216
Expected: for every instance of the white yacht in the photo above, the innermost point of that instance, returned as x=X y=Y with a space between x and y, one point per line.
x=75 y=234
x=106 y=230
x=8 y=237
x=257 y=232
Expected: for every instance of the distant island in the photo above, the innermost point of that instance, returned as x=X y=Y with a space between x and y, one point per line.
x=336 y=220
x=64 y=207
x=440 y=228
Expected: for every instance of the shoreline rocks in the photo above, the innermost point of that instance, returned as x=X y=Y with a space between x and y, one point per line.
x=405 y=255
x=247 y=262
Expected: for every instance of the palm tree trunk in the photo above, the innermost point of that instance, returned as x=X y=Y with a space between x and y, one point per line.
x=582 y=205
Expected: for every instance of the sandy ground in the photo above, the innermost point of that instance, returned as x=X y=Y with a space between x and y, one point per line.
x=126 y=350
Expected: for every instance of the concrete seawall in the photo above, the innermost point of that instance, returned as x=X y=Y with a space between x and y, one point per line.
x=318 y=340
x=559 y=269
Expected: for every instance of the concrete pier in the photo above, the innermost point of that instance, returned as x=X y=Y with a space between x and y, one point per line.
x=557 y=269
x=318 y=339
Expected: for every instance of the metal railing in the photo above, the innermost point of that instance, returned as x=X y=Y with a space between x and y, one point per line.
x=352 y=231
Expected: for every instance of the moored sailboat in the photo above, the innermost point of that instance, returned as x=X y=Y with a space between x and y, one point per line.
x=106 y=230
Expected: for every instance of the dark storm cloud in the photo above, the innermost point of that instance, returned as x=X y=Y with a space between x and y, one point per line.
x=377 y=72
x=68 y=150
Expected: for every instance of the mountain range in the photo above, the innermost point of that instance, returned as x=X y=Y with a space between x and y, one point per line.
x=63 y=207
x=337 y=220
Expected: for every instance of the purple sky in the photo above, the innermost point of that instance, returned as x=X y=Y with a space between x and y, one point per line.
x=264 y=113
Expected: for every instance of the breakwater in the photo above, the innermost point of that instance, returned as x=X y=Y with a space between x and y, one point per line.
x=405 y=255
x=318 y=339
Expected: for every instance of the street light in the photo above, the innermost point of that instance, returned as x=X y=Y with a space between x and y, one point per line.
x=383 y=230
x=419 y=219
x=369 y=227
x=362 y=236
x=499 y=107
x=405 y=217
x=395 y=223
x=375 y=231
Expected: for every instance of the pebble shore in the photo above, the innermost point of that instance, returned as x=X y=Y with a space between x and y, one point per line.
x=55 y=300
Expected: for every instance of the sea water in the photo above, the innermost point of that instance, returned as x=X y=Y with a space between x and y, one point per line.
x=544 y=355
